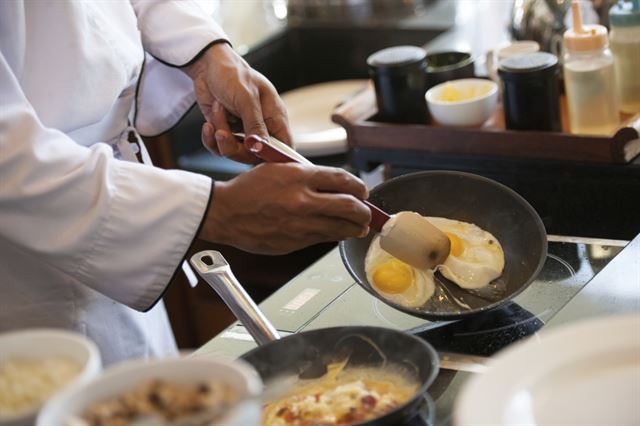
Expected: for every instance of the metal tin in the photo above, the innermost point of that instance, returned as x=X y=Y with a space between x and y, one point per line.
x=448 y=65
x=531 y=96
x=399 y=77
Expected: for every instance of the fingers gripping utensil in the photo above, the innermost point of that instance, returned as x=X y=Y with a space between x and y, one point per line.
x=409 y=236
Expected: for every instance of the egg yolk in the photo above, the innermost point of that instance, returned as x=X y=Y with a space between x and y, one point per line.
x=456 y=244
x=393 y=276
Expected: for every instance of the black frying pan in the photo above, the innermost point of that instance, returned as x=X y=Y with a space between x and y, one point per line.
x=306 y=354
x=469 y=198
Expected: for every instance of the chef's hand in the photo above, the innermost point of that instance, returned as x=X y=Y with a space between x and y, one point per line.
x=225 y=84
x=278 y=208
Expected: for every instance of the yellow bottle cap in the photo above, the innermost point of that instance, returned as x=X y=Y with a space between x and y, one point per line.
x=584 y=37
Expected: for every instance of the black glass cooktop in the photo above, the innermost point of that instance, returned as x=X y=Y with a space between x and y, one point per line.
x=568 y=268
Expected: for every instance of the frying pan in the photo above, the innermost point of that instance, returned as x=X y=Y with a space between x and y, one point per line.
x=307 y=354
x=469 y=198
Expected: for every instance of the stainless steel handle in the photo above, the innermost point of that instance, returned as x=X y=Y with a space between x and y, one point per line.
x=215 y=270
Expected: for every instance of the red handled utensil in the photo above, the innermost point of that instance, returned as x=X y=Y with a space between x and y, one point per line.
x=276 y=153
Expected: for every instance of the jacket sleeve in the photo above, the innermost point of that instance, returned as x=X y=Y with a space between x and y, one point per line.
x=173 y=34
x=118 y=227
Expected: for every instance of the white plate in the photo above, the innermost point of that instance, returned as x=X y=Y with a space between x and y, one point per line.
x=585 y=373
x=310 y=109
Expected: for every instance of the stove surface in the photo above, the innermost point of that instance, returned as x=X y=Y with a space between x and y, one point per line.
x=569 y=266
x=325 y=295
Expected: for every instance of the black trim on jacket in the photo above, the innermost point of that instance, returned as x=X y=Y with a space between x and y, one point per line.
x=198 y=55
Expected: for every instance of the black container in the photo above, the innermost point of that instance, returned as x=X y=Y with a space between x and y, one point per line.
x=448 y=65
x=399 y=77
x=531 y=95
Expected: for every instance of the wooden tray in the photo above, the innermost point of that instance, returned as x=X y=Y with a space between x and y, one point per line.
x=357 y=116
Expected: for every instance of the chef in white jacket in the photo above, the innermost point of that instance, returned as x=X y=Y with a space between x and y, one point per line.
x=89 y=235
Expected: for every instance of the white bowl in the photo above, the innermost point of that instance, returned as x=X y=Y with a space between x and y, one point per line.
x=125 y=377
x=585 y=372
x=45 y=343
x=466 y=113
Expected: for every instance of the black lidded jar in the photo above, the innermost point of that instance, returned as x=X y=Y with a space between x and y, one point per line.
x=531 y=96
x=399 y=77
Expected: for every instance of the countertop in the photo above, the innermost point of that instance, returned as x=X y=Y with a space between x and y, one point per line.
x=615 y=290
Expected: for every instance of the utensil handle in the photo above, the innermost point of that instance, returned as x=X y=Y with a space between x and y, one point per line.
x=272 y=154
x=215 y=270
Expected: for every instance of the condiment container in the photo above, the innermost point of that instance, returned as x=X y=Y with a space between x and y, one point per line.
x=508 y=50
x=589 y=78
x=531 y=98
x=448 y=65
x=399 y=77
x=624 y=20
x=468 y=102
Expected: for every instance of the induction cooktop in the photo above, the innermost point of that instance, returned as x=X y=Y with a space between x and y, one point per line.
x=325 y=295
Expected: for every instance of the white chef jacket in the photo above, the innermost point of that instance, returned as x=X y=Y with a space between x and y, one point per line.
x=88 y=240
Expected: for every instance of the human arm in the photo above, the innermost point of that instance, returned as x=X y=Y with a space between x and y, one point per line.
x=223 y=82
x=117 y=227
x=244 y=210
x=278 y=208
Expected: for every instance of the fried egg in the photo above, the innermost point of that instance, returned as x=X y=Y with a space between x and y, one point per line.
x=476 y=256
x=395 y=280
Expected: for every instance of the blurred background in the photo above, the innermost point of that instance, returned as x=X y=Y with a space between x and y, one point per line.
x=300 y=43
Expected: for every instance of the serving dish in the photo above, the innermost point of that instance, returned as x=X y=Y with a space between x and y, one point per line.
x=46 y=343
x=185 y=371
x=477 y=103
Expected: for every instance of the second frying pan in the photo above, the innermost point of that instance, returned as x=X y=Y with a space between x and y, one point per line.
x=469 y=198
x=307 y=354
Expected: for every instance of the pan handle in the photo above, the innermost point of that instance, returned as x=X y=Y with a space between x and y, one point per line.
x=215 y=270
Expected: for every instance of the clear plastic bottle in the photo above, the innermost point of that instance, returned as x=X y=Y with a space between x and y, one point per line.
x=624 y=19
x=589 y=79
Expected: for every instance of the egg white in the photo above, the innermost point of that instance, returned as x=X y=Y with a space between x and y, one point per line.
x=416 y=295
x=482 y=257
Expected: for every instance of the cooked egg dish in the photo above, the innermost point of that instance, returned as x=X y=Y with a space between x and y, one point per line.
x=397 y=281
x=341 y=398
x=476 y=256
x=475 y=260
